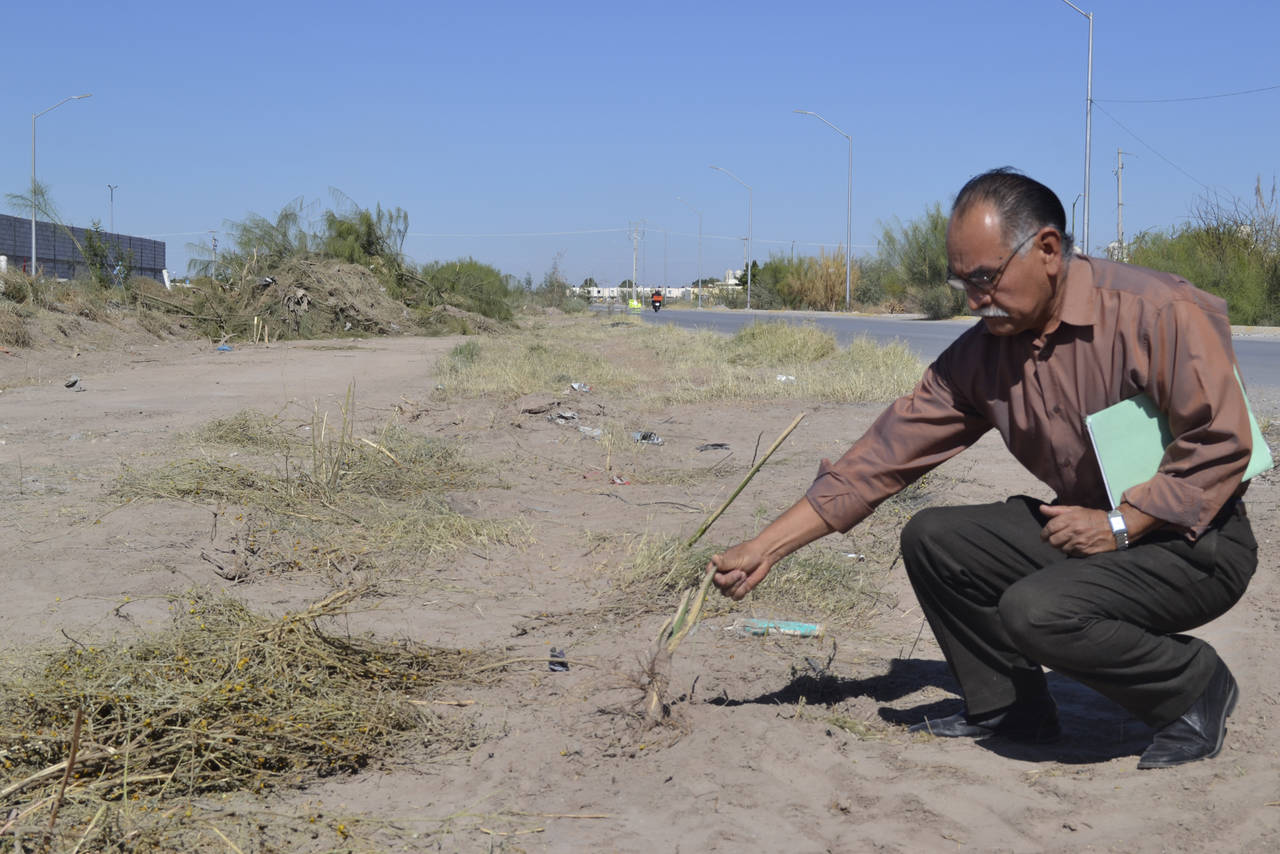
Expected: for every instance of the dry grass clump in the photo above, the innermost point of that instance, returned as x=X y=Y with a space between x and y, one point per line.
x=813 y=585
x=13 y=328
x=396 y=463
x=341 y=498
x=823 y=585
x=79 y=297
x=780 y=344
x=865 y=372
x=658 y=364
x=158 y=323
x=223 y=700
x=248 y=428
x=535 y=361
x=449 y=320
x=16 y=286
x=348 y=523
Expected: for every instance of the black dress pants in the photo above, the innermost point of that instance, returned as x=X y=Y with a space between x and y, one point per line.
x=1002 y=603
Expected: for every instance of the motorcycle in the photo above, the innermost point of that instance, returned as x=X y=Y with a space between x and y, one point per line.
x=657 y=304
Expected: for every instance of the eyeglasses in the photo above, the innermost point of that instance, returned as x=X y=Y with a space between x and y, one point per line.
x=982 y=280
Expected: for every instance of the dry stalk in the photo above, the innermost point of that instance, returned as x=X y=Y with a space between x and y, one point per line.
x=71 y=763
x=675 y=629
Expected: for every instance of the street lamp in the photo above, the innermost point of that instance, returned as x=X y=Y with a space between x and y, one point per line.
x=111 y=188
x=848 y=215
x=35 y=116
x=1088 y=119
x=699 y=213
x=1073 y=213
x=749 y=193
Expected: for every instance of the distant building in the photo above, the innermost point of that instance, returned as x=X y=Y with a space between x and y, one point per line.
x=58 y=255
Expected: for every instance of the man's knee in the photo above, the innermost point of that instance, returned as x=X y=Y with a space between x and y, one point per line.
x=926 y=531
x=1036 y=620
x=925 y=537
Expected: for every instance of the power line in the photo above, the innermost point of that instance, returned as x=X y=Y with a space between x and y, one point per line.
x=1190 y=98
x=524 y=233
x=1153 y=150
x=788 y=242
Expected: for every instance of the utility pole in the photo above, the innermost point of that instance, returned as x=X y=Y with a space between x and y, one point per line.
x=1120 y=199
x=848 y=221
x=699 y=213
x=750 y=193
x=1088 y=120
x=665 y=233
x=635 y=253
x=110 y=190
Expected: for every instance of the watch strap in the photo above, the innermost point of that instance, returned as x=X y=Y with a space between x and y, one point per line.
x=1118 y=529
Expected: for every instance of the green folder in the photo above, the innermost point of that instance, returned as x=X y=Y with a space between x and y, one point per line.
x=1130 y=439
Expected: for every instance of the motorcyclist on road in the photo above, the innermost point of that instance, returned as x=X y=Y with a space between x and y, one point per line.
x=656 y=300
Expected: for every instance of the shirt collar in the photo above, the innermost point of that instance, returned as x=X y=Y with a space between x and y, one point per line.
x=1080 y=297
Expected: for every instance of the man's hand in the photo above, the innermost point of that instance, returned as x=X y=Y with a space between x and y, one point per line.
x=1078 y=531
x=739 y=569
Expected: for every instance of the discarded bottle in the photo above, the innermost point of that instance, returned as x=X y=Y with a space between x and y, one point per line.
x=747 y=626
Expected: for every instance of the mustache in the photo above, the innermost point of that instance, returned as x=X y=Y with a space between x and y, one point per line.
x=991 y=311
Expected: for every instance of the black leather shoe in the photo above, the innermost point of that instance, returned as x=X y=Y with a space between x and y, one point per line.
x=1198 y=734
x=1034 y=722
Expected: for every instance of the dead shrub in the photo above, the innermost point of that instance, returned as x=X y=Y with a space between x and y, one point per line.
x=13 y=328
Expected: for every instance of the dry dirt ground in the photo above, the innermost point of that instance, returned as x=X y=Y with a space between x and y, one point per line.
x=773 y=743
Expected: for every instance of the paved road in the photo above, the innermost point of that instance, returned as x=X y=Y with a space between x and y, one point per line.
x=1257 y=350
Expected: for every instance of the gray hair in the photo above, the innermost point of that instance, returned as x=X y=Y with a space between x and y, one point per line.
x=1024 y=205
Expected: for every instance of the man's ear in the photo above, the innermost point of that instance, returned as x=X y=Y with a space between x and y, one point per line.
x=1049 y=244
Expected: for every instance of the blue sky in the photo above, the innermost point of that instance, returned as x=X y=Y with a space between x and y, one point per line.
x=521 y=133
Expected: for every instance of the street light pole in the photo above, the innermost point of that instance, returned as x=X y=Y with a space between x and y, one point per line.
x=1088 y=121
x=749 y=194
x=111 y=188
x=35 y=116
x=848 y=214
x=699 y=213
x=1073 y=213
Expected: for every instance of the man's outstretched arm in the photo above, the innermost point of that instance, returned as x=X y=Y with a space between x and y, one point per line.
x=741 y=568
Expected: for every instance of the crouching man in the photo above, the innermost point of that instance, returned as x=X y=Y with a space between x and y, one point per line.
x=1099 y=595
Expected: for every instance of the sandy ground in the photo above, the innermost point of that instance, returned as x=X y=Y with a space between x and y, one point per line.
x=774 y=744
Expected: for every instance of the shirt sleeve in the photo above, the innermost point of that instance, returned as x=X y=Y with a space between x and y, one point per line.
x=916 y=433
x=1192 y=379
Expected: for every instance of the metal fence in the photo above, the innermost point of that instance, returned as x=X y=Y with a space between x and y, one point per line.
x=58 y=255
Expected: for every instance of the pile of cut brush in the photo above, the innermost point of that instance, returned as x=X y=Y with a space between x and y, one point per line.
x=224 y=700
x=304 y=298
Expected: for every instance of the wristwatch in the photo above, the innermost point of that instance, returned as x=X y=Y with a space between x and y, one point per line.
x=1118 y=529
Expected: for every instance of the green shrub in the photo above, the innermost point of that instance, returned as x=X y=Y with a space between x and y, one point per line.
x=1227 y=262
x=911 y=259
x=938 y=302
x=465 y=283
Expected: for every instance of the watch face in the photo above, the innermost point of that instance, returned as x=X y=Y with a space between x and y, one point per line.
x=1118 y=529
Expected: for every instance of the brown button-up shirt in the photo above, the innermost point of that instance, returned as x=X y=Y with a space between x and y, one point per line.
x=1123 y=330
